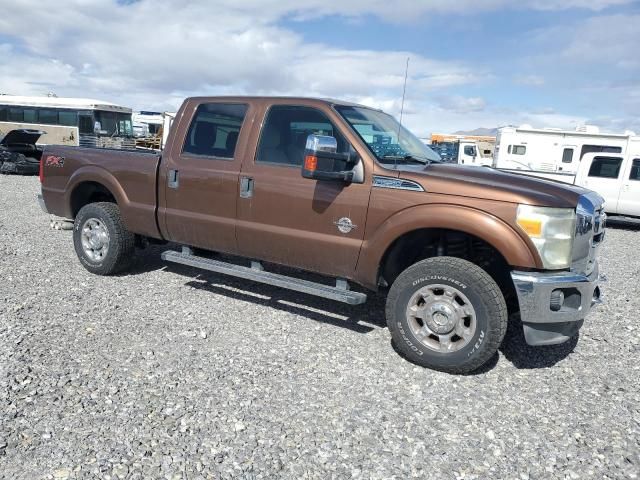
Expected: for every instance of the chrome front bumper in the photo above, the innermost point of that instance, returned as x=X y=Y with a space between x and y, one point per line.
x=549 y=323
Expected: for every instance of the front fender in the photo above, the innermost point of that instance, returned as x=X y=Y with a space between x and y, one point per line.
x=481 y=224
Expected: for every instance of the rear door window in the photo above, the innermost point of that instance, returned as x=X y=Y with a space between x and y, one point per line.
x=215 y=129
x=605 y=167
x=567 y=155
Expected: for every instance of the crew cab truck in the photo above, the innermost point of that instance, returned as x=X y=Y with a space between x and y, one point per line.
x=344 y=191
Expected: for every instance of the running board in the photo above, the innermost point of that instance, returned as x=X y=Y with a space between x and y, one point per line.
x=339 y=293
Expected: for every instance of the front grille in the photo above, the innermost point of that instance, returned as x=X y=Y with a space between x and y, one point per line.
x=590 y=233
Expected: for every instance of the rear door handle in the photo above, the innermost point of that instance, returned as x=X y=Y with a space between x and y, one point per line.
x=173 y=180
x=246 y=187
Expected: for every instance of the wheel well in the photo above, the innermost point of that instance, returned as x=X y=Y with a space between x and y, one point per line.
x=426 y=243
x=89 y=192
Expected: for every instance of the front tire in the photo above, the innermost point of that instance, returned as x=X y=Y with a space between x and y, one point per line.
x=446 y=314
x=103 y=245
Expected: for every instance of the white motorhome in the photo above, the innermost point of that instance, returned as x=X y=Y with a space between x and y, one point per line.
x=554 y=150
x=99 y=124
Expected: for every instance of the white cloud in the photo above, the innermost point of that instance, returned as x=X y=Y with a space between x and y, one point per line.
x=460 y=104
x=151 y=54
x=530 y=80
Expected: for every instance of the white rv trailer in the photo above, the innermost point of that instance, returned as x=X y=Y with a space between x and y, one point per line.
x=554 y=150
x=100 y=124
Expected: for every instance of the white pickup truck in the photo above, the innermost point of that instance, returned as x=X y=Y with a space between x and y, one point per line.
x=616 y=177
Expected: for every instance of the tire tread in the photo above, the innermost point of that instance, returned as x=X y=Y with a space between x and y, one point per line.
x=481 y=280
x=121 y=240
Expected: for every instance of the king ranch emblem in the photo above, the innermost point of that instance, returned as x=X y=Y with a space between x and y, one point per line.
x=345 y=225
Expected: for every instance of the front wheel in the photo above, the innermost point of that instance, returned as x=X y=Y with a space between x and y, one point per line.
x=447 y=314
x=102 y=243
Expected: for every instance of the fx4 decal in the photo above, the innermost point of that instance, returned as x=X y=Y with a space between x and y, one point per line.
x=53 y=161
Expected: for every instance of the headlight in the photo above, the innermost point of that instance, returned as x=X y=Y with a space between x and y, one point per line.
x=552 y=231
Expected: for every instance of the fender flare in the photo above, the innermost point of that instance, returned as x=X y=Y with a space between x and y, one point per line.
x=516 y=250
x=95 y=174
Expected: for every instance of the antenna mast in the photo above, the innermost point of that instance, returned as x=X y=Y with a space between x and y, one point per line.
x=404 y=92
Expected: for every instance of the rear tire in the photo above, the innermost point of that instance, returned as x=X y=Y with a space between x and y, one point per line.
x=446 y=314
x=103 y=245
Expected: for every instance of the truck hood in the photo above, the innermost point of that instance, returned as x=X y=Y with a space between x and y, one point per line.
x=488 y=183
x=22 y=136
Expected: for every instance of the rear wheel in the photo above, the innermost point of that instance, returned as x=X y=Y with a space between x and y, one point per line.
x=102 y=243
x=447 y=314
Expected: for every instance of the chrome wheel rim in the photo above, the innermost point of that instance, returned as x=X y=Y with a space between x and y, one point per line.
x=95 y=239
x=442 y=318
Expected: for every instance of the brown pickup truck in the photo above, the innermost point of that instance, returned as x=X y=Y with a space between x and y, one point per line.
x=345 y=191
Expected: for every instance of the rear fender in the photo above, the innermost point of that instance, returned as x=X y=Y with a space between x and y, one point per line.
x=95 y=174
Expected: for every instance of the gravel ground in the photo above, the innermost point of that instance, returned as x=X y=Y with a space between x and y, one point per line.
x=168 y=373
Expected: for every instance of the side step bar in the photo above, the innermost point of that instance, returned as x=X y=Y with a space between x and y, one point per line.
x=256 y=273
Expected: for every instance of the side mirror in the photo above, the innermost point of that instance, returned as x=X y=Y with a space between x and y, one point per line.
x=323 y=162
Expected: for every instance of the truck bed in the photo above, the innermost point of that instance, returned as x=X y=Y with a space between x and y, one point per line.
x=70 y=174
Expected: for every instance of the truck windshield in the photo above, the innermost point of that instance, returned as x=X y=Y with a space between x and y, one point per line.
x=114 y=124
x=387 y=139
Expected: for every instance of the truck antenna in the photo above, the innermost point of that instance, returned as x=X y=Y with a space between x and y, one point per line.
x=404 y=92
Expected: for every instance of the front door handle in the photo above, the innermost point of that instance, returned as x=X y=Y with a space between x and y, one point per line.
x=173 y=180
x=246 y=187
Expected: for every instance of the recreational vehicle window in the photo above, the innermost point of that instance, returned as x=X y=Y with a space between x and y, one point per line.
x=605 y=167
x=635 y=170
x=517 y=149
x=598 y=149
x=567 y=155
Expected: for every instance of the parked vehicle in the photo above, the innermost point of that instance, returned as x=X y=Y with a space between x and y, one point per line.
x=150 y=122
x=19 y=153
x=99 y=124
x=463 y=149
x=615 y=177
x=554 y=150
x=151 y=128
x=343 y=190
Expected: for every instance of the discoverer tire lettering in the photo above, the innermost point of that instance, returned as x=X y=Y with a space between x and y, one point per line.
x=471 y=282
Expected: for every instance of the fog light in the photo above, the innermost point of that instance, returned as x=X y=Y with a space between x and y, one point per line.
x=557 y=300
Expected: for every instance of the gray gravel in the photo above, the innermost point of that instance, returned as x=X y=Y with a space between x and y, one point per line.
x=167 y=373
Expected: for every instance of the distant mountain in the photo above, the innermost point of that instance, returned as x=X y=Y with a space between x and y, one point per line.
x=489 y=132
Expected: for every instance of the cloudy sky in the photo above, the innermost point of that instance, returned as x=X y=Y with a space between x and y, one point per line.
x=480 y=63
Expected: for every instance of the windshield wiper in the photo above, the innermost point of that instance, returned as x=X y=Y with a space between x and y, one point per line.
x=405 y=159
